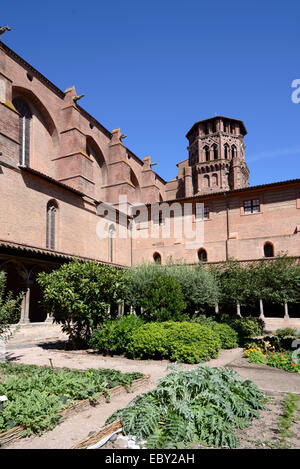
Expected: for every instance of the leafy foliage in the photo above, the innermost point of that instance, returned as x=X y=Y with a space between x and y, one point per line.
x=178 y=341
x=155 y=291
x=36 y=395
x=114 y=336
x=246 y=327
x=10 y=307
x=204 y=405
x=227 y=335
x=78 y=296
x=197 y=285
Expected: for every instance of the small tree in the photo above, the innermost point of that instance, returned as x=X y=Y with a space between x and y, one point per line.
x=156 y=292
x=199 y=287
x=233 y=281
x=10 y=307
x=78 y=296
x=276 y=281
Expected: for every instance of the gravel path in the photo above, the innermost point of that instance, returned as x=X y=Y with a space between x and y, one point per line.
x=76 y=428
x=31 y=348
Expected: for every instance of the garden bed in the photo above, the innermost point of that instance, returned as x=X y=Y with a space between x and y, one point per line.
x=49 y=407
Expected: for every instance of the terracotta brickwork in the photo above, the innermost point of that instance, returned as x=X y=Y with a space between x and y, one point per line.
x=53 y=151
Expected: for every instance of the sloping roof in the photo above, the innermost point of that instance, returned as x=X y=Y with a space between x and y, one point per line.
x=234 y=191
x=27 y=249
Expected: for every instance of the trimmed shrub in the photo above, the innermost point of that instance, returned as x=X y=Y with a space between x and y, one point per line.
x=228 y=336
x=113 y=336
x=179 y=341
x=247 y=327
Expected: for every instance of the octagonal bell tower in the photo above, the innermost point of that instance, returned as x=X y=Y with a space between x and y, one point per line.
x=216 y=156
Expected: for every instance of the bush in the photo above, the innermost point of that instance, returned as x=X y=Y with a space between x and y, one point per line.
x=10 y=308
x=78 y=296
x=255 y=356
x=287 y=332
x=159 y=296
x=178 y=341
x=198 y=285
x=284 y=361
x=228 y=336
x=114 y=336
x=247 y=327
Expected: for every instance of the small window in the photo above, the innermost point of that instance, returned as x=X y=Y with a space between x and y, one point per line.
x=202 y=215
x=157 y=258
x=202 y=255
x=215 y=149
x=268 y=250
x=206 y=150
x=24 y=130
x=226 y=151
x=233 y=151
x=251 y=206
x=51 y=225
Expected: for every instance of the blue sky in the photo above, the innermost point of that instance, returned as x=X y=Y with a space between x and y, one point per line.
x=154 y=68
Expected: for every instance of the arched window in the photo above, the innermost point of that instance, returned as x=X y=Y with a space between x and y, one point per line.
x=51 y=224
x=202 y=255
x=206 y=150
x=206 y=182
x=215 y=150
x=268 y=250
x=226 y=151
x=233 y=151
x=214 y=180
x=111 y=234
x=157 y=258
x=24 y=130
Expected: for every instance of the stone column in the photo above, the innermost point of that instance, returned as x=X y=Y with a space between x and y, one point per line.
x=261 y=309
x=24 y=319
x=286 y=311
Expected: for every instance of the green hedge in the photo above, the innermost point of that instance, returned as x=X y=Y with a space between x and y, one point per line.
x=228 y=336
x=178 y=341
x=113 y=336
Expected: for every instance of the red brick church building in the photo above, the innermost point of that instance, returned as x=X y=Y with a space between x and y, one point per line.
x=58 y=164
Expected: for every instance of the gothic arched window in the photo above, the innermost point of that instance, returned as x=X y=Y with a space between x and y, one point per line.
x=51 y=224
x=233 y=151
x=215 y=150
x=24 y=130
x=202 y=255
x=206 y=150
x=268 y=250
x=226 y=151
